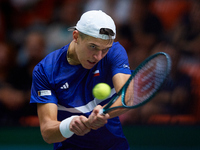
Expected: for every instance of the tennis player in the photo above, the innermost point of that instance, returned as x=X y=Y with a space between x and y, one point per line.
x=63 y=82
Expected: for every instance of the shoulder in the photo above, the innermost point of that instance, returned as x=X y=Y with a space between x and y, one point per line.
x=54 y=57
x=117 y=51
x=116 y=60
x=49 y=63
x=117 y=45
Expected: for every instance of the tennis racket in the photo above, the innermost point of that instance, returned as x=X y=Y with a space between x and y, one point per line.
x=143 y=84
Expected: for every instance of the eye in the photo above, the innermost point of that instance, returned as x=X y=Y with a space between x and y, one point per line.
x=105 y=50
x=93 y=46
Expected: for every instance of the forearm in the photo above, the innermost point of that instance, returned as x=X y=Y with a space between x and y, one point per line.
x=49 y=126
x=118 y=111
x=118 y=80
x=50 y=132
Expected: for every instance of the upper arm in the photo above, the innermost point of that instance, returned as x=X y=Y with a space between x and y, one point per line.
x=49 y=125
x=46 y=112
x=119 y=80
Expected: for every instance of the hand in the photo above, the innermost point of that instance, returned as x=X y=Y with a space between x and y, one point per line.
x=78 y=127
x=96 y=120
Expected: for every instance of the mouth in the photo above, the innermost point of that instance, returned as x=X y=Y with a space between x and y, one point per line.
x=91 y=62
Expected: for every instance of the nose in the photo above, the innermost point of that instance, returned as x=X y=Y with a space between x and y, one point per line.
x=98 y=55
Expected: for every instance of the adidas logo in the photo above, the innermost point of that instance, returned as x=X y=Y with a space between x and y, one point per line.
x=65 y=86
x=126 y=66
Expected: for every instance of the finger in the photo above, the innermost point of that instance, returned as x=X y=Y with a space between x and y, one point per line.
x=78 y=131
x=84 y=126
x=107 y=116
x=98 y=123
x=73 y=126
x=96 y=120
x=103 y=118
x=78 y=127
x=97 y=109
x=84 y=129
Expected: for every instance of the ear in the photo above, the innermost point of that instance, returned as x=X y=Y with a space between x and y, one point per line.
x=75 y=36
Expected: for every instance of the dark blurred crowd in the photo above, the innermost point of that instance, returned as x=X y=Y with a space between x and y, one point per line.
x=30 y=29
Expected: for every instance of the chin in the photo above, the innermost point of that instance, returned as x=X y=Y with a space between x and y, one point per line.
x=87 y=66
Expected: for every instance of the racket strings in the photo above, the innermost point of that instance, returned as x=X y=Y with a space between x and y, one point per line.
x=146 y=81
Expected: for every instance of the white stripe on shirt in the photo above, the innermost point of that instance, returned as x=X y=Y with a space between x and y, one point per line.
x=86 y=108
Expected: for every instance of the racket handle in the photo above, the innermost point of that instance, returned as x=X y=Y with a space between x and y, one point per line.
x=101 y=112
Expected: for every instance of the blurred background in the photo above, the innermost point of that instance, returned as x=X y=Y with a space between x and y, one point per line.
x=30 y=29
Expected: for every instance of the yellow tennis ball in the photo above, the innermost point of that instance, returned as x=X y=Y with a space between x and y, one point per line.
x=101 y=91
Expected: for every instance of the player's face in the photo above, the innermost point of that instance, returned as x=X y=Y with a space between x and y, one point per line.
x=91 y=50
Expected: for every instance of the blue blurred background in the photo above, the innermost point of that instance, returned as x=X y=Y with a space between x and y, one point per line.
x=30 y=29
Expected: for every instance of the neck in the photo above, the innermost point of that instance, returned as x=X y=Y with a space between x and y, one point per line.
x=71 y=55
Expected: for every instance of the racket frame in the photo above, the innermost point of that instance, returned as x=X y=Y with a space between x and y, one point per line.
x=122 y=91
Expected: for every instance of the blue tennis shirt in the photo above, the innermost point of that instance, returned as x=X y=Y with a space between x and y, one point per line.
x=70 y=88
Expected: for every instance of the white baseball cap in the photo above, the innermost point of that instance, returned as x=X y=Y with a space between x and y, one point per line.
x=92 y=21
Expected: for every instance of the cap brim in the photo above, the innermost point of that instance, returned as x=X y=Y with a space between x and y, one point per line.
x=72 y=28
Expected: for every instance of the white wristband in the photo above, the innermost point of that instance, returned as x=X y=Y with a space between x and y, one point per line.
x=64 y=127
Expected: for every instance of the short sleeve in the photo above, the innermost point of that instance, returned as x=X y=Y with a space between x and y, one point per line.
x=119 y=60
x=41 y=90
